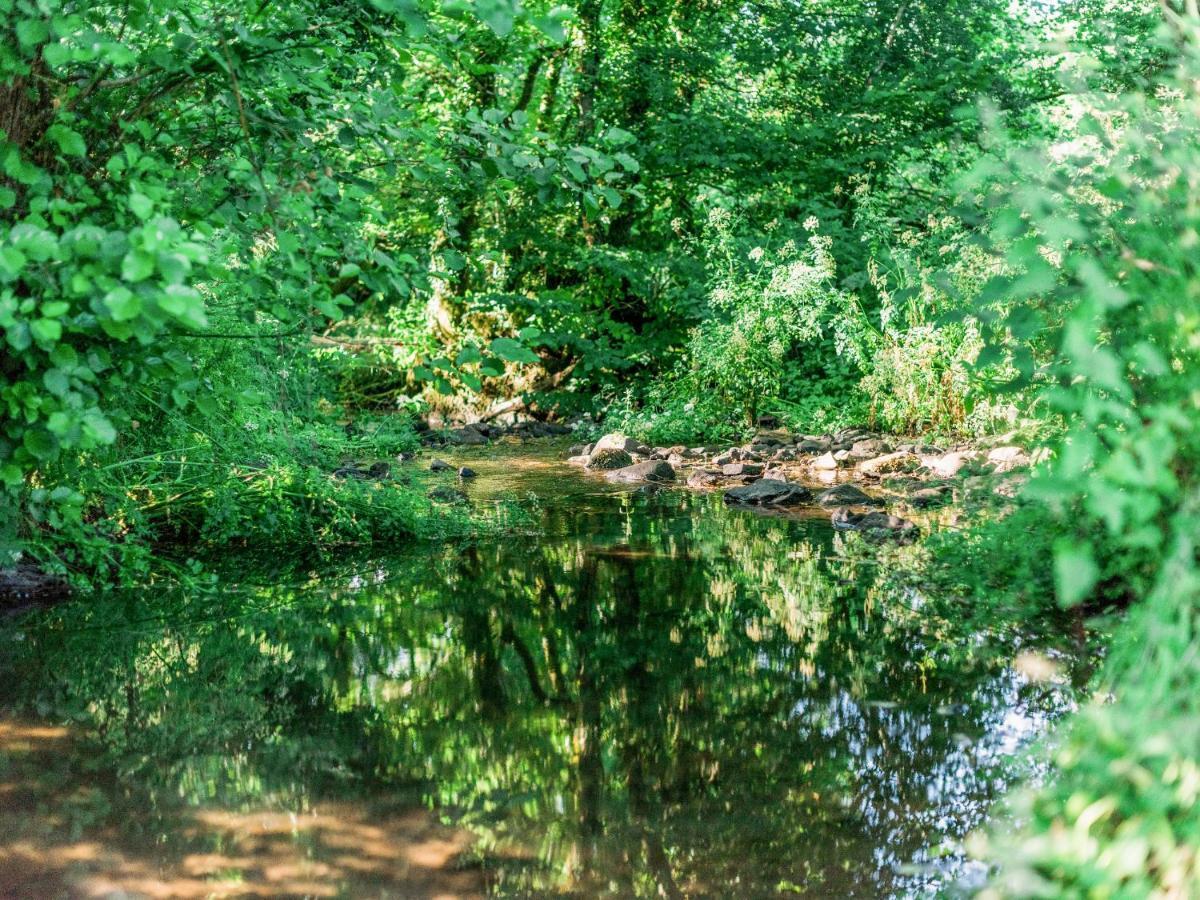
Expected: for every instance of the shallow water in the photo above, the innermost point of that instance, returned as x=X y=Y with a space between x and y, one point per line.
x=647 y=695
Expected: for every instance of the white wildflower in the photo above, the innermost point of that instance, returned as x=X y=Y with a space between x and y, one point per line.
x=756 y=254
x=811 y=223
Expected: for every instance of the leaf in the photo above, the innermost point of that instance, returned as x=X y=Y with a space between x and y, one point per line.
x=31 y=32
x=137 y=265
x=498 y=14
x=39 y=443
x=123 y=304
x=1075 y=571
x=512 y=351
x=56 y=382
x=69 y=142
x=142 y=206
x=46 y=331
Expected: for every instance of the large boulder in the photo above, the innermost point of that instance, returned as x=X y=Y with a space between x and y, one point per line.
x=846 y=495
x=769 y=492
x=605 y=458
x=654 y=470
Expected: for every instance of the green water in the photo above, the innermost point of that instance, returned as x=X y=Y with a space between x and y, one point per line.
x=646 y=695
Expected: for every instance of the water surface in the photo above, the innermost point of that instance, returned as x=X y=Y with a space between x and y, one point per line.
x=648 y=694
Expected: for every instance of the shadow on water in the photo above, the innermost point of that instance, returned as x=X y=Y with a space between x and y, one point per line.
x=653 y=696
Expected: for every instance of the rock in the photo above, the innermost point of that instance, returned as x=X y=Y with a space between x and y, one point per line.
x=874 y=525
x=466 y=472
x=842 y=455
x=887 y=464
x=775 y=474
x=810 y=446
x=24 y=585
x=675 y=459
x=405 y=457
x=728 y=457
x=948 y=465
x=620 y=442
x=655 y=470
x=444 y=494
x=576 y=450
x=580 y=461
x=768 y=421
x=467 y=436
x=769 y=440
x=825 y=462
x=869 y=448
x=440 y=465
x=605 y=458
x=587 y=449
x=374 y=472
x=787 y=454
x=930 y=496
x=731 y=470
x=769 y=492
x=1005 y=459
x=702 y=478
x=844 y=494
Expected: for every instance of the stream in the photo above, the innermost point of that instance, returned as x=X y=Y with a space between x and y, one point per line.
x=649 y=694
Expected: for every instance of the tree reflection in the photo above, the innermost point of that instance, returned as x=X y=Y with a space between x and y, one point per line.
x=664 y=698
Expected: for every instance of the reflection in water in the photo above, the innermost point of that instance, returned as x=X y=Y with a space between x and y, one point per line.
x=655 y=696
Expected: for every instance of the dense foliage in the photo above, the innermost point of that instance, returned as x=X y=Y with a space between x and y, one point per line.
x=243 y=243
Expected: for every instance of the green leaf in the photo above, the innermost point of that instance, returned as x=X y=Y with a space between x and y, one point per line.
x=512 y=351
x=123 y=303
x=8 y=198
x=39 y=443
x=46 y=331
x=31 y=32
x=69 y=142
x=142 y=206
x=137 y=265
x=56 y=382
x=1075 y=571
x=98 y=428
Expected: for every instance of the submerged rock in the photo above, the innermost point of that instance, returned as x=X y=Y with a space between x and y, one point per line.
x=466 y=472
x=655 y=470
x=846 y=494
x=444 y=494
x=373 y=472
x=875 y=525
x=702 y=478
x=769 y=492
x=440 y=465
